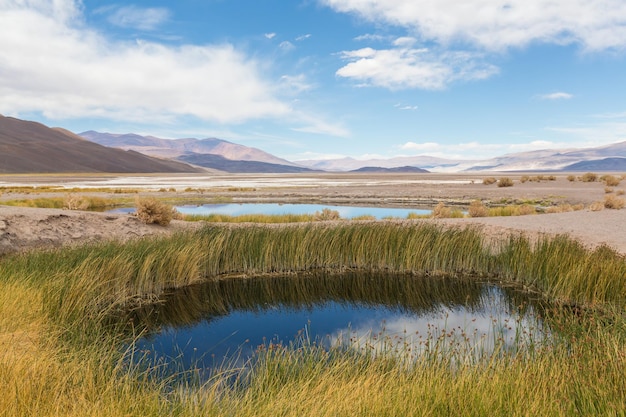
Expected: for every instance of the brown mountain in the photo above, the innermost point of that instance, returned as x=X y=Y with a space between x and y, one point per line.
x=30 y=147
x=174 y=148
x=210 y=153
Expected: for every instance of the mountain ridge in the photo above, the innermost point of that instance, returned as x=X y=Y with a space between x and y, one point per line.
x=32 y=147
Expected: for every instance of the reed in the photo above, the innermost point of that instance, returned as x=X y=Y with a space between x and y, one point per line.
x=61 y=342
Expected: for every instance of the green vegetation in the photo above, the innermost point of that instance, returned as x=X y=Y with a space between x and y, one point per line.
x=62 y=337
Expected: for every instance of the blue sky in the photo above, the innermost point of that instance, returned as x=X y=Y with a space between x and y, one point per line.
x=314 y=79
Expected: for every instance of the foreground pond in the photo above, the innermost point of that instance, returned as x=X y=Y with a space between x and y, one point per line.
x=223 y=323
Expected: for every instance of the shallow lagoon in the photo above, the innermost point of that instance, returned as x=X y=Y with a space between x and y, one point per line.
x=224 y=323
x=346 y=212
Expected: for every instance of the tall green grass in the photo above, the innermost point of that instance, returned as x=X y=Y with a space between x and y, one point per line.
x=61 y=341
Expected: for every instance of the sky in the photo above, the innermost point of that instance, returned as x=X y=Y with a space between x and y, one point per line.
x=321 y=79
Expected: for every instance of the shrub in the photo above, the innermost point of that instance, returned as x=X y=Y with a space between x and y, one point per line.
x=589 y=177
x=441 y=211
x=152 y=211
x=524 y=179
x=526 y=209
x=327 y=214
x=613 y=202
x=477 y=209
x=611 y=181
x=489 y=180
x=75 y=202
x=571 y=178
x=505 y=182
x=596 y=206
x=620 y=192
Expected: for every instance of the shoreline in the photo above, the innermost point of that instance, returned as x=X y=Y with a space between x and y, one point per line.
x=25 y=229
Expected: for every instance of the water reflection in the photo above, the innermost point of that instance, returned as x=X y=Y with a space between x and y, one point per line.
x=228 y=320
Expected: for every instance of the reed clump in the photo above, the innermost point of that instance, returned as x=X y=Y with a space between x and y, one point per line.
x=63 y=346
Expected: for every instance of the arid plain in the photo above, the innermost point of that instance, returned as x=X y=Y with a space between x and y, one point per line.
x=23 y=228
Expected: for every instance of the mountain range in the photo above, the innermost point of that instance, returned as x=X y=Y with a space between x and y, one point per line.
x=211 y=153
x=30 y=147
x=604 y=158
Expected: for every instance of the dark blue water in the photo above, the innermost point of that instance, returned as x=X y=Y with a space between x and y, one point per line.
x=475 y=316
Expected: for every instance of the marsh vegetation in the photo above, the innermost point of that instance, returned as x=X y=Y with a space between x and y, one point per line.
x=64 y=326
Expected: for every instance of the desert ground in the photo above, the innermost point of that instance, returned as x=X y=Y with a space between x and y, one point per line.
x=28 y=228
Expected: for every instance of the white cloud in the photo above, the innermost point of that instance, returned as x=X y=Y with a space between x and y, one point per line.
x=427 y=146
x=468 y=150
x=287 y=46
x=138 y=17
x=271 y=35
x=303 y=37
x=405 y=67
x=320 y=127
x=371 y=37
x=51 y=63
x=401 y=106
x=556 y=96
x=497 y=25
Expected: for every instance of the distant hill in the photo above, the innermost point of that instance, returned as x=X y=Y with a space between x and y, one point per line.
x=601 y=158
x=606 y=164
x=176 y=148
x=30 y=147
x=407 y=169
x=228 y=165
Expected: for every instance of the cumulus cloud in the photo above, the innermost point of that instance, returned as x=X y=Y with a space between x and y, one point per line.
x=497 y=25
x=406 y=67
x=556 y=96
x=138 y=17
x=413 y=146
x=50 y=62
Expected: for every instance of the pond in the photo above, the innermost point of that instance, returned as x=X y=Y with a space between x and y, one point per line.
x=225 y=323
x=346 y=212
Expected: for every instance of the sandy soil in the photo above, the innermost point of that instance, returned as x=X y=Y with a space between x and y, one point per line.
x=25 y=228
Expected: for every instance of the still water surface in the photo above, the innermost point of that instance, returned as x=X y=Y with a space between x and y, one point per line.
x=226 y=322
x=346 y=212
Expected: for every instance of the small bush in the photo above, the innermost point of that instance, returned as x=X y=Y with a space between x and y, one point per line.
x=152 y=211
x=589 y=177
x=613 y=202
x=524 y=179
x=596 y=206
x=477 y=209
x=571 y=178
x=619 y=192
x=505 y=182
x=526 y=209
x=608 y=190
x=75 y=202
x=441 y=211
x=611 y=181
x=327 y=214
x=489 y=180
